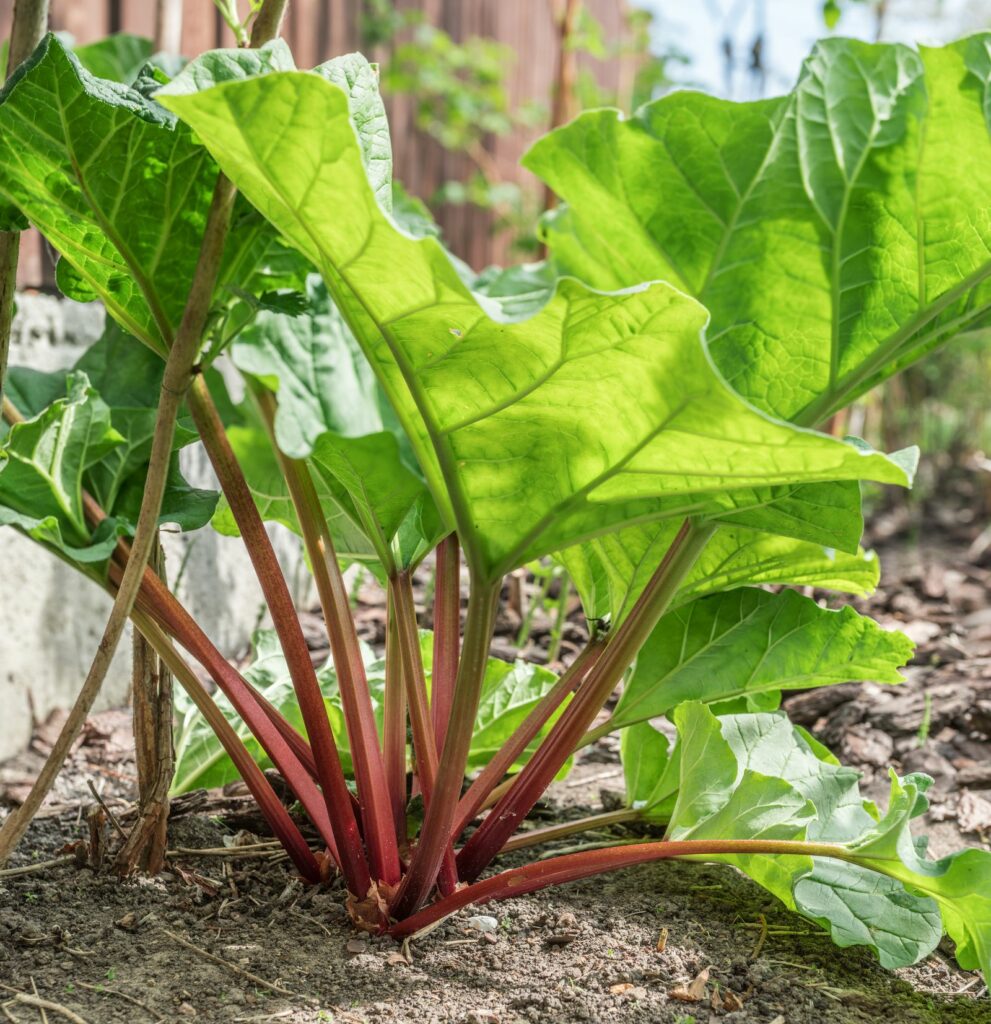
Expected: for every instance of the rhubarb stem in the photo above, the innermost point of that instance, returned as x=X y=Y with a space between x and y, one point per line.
x=174 y=619
x=570 y=828
x=436 y=831
x=621 y=648
x=394 y=721
x=511 y=751
x=447 y=634
x=271 y=807
x=424 y=743
x=574 y=866
x=356 y=702
x=354 y=866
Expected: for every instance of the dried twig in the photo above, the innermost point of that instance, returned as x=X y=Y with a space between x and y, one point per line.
x=761 y=938
x=232 y=967
x=109 y=813
x=103 y=990
x=39 y=1003
x=42 y=865
x=42 y=1012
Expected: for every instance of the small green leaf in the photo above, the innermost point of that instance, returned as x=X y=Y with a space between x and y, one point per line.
x=43 y=459
x=746 y=642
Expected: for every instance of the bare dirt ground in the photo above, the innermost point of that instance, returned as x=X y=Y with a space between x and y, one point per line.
x=223 y=938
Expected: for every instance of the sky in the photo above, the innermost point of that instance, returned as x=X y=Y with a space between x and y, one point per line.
x=698 y=28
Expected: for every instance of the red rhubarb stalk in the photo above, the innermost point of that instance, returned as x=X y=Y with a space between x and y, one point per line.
x=356 y=702
x=436 y=831
x=447 y=634
x=354 y=866
x=573 y=867
x=394 y=721
x=268 y=802
x=620 y=650
x=491 y=775
x=424 y=742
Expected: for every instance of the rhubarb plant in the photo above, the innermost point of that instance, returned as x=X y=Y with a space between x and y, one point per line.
x=722 y=277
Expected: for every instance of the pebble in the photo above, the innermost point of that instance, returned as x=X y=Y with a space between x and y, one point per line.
x=483 y=923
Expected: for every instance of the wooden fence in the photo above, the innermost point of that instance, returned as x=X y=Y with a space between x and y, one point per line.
x=319 y=29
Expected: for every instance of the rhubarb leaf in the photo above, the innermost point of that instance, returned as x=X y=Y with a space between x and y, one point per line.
x=43 y=459
x=753 y=644
x=832 y=233
x=714 y=771
x=118 y=58
x=112 y=181
x=513 y=422
x=959 y=883
x=127 y=378
x=611 y=571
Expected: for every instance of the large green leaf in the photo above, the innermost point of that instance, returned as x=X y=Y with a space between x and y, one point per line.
x=113 y=182
x=514 y=423
x=611 y=571
x=835 y=234
x=752 y=643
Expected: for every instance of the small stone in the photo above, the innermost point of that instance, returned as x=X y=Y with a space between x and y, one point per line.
x=483 y=923
x=356 y=946
x=187 y=1010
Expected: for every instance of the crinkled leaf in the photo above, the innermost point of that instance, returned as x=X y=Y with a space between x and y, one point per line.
x=43 y=459
x=513 y=423
x=959 y=883
x=716 y=772
x=748 y=642
x=118 y=57
x=112 y=181
x=833 y=233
